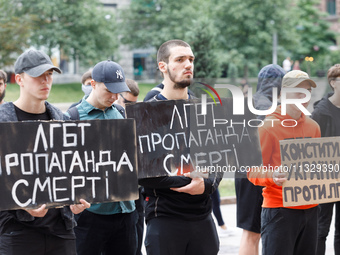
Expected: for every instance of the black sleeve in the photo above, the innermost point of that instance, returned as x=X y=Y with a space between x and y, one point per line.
x=319 y=118
x=211 y=184
x=164 y=182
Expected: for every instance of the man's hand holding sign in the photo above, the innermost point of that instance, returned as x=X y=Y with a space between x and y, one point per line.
x=279 y=177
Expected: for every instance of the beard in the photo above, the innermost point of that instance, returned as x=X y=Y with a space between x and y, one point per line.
x=179 y=84
x=2 y=96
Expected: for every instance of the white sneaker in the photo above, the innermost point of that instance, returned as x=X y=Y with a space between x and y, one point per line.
x=225 y=232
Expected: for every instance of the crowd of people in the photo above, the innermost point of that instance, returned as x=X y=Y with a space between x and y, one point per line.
x=177 y=210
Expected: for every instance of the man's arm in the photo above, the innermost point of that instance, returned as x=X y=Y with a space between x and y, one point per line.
x=260 y=176
x=164 y=182
x=200 y=185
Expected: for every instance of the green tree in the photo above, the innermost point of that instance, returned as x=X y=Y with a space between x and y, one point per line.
x=314 y=35
x=149 y=23
x=230 y=31
x=78 y=28
x=14 y=32
x=248 y=26
x=202 y=39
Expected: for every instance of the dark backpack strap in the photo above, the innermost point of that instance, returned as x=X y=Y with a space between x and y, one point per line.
x=120 y=109
x=73 y=112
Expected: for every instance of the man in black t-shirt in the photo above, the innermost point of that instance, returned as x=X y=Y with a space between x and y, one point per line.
x=178 y=208
x=36 y=231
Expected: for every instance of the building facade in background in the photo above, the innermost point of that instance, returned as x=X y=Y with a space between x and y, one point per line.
x=332 y=8
x=138 y=64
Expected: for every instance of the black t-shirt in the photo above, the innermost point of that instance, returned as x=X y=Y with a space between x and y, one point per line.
x=22 y=115
x=52 y=222
x=335 y=111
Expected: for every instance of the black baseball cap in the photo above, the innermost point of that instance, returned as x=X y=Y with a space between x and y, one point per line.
x=112 y=75
x=34 y=63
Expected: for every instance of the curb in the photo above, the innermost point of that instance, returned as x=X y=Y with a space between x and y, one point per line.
x=228 y=200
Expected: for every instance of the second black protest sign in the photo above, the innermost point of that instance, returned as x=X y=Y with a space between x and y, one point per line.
x=174 y=137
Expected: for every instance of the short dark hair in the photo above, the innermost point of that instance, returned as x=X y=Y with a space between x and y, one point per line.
x=3 y=76
x=86 y=75
x=333 y=73
x=133 y=86
x=164 y=50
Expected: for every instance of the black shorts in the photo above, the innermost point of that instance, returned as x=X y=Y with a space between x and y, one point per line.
x=168 y=236
x=248 y=205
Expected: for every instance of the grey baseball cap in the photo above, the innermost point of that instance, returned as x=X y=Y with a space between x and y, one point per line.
x=112 y=75
x=34 y=63
x=294 y=78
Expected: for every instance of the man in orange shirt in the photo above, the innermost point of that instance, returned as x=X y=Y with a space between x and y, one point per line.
x=291 y=230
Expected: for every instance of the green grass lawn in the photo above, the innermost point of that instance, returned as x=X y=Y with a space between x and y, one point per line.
x=227 y=187
x=65 y=93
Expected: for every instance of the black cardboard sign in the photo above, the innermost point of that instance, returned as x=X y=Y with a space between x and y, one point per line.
x=58 y=163
x=174 y=137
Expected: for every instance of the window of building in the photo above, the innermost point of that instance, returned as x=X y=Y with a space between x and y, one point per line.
x=110 y=5
x=331 y=7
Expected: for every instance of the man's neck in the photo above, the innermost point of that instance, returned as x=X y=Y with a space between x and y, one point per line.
x=335 y=99
x=174 y=94
x=92 y=101
x=31 y=106
x=294 y=113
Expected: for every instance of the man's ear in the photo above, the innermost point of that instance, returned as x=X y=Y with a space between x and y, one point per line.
x=162 y=66
x=18 y=79
x=93 y=83
x=332 y=83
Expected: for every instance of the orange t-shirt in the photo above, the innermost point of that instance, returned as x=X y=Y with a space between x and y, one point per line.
x=270 y=134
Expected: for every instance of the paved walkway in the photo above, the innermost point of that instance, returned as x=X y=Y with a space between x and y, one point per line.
x=229 y=245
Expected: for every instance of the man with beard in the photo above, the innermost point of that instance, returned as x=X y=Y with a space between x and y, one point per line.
x=178 y=208
x=3 y=85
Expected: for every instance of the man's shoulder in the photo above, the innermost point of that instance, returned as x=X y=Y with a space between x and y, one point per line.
x=120 y=109
x=7 y=112
x=310 y=123
x=153 y=99
x=56 y=113
x=154 y=91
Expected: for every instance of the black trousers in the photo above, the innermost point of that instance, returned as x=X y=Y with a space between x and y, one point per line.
x=289 y=231
x=22 y=240
x=324 y=223
x=171 y=236
x=140 y=223
x=106 y=234
x=216 y=202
